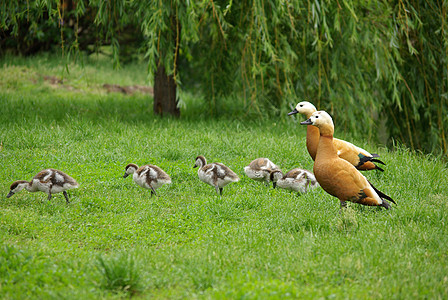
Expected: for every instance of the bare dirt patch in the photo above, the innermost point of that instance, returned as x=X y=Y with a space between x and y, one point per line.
x=110 y=88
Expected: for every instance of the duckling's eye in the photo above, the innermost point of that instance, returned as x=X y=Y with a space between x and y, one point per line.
x=301 y=105
x=317 y=117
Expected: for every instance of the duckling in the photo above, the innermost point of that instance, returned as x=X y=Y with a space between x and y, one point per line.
x=358 y=157
x=260 y=169
x=49 y=181
x=147 y=176
x=215 y=174
x=297 y=180
x=337 y=176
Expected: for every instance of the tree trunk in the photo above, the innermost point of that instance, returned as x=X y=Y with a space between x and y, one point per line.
x=165 y=87
x=165 y=100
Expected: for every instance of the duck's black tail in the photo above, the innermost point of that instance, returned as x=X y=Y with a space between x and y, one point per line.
x=363 y=159
x=382 y=195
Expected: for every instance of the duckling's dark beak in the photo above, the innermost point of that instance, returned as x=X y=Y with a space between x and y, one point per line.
x=125 y=175
x=295 y=111
x=274 y=184
x=307 y=122
x=10 y=194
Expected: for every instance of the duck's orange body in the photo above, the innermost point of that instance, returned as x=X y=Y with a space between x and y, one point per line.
x=358 y=157
x=337 y=176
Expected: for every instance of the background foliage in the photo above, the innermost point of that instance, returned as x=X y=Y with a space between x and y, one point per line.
x=379 y=67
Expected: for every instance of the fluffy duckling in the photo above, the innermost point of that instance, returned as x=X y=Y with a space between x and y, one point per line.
x=297 y=180
x=215 y=174
x=337 y=176
x=358 y=157
x=260 y=169
x=147 y=176
x=49 y=181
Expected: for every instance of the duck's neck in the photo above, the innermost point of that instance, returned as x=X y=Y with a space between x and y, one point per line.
x=312 y=140
x=30 y=187
x=326 y=147
x=202 y=162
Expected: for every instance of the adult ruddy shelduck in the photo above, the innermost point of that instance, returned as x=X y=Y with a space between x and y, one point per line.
x=337 y=176
x=49 y=181
x=358 y=157
x=215 y=174
x=260 y=169
x=147 y=176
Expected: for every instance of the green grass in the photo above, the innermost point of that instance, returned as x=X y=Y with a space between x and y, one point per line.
x=254 y=242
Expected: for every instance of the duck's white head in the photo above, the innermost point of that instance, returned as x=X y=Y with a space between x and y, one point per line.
x=200 y=162
x=130 y=169
x=322 y=120
x=305 y=108
x=275 y=176
x=16 y=187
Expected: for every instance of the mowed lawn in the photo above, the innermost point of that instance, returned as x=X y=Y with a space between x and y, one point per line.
x=253 y=242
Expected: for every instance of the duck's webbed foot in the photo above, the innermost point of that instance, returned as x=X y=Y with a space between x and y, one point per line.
x=342 y=206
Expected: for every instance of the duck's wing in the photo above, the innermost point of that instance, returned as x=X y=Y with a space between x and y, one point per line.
x=358 y=157
x=157 y=173
x=271 y=166
x=258 y=164
x=224 y=171
x=294 y=173
x=44 y=175
x=64 y=178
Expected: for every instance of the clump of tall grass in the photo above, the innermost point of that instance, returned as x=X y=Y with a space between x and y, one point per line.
x=11 y=260
x=119 y=274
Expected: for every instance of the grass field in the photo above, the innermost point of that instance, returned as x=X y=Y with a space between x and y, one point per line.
x=254 y=242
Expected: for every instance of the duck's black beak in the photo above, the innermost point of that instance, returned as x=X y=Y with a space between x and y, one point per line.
x=10 y=194
x=195 y=166
x=307 y=122
x=125 y=175
x=295 y=111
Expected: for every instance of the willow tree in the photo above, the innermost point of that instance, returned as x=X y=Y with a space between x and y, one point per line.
x=379 y=67
x=161 y=22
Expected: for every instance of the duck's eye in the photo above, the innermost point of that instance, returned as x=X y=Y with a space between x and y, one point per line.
x=301 y=105
x=317 y=117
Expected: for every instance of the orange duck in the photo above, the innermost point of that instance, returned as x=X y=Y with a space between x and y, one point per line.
x=337 y=176
x=358 y=157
